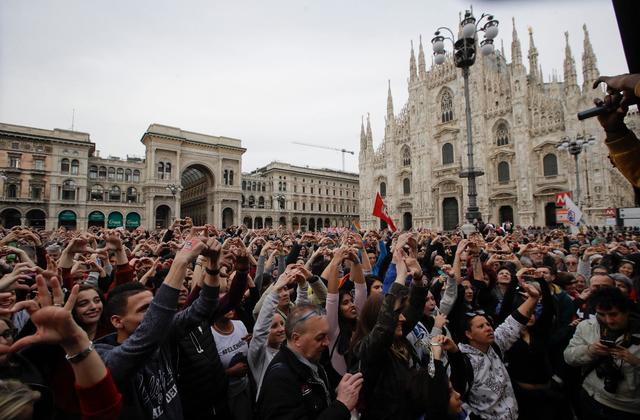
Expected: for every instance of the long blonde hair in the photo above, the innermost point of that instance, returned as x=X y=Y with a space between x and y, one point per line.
x=14 y=398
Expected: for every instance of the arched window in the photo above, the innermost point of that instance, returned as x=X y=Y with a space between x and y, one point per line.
x=120 y=174
x=160 y=170
x=263 y=188
x=244 y=185
x=127 y=175
x=102 y=173
x=252 y=201
x=502 y=134
x=406 y=186
x=75 y=167
x=132 y=195
x=503 y=172
x=230 y=177
x=112 y=174
x=114 y=193
x=383 y=189
x=406 y=156
x=550 y=165
x=447 y=153
x=446 y=106
x=167 y=170
x=93 y=172
x=64 y=166
x=260 y=202
x=69 y=190
x=97 y=193
x=136 y=175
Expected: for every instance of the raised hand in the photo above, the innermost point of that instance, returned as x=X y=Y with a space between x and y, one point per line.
x=51 y=316
x=15 y=280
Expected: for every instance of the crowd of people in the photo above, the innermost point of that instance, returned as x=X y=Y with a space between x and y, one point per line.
x=195 y=322
x=199 y=323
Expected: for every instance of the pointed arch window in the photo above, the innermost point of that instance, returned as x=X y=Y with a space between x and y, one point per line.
x=406 y=156
x=446 y=106
x=502 y=135
x=383 y=189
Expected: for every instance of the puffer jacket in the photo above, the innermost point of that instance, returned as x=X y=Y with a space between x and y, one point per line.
x=627 y=396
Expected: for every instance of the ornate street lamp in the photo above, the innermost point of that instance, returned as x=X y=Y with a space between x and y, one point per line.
x=174 y=190
x=575 y=146
x=464 y=56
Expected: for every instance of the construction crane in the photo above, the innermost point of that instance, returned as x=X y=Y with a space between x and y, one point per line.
x=328 y=148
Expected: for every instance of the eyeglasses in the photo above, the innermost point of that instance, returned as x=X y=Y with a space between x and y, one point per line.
x=9 y=334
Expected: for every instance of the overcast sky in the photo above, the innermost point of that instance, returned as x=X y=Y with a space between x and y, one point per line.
x=266 y=72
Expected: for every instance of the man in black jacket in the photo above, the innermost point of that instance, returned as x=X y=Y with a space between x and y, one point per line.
x=295 y=385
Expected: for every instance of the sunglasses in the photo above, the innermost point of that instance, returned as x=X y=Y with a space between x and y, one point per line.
x=312 y=313
x=479 y=312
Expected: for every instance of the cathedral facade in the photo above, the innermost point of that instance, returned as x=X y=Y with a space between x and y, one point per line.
x=518 y=119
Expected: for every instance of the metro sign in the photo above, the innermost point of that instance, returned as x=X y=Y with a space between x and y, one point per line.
x=561 y=198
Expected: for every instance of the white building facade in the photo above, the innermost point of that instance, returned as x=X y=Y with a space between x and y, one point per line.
x=518 y=119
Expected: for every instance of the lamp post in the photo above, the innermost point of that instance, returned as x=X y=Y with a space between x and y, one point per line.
x=575 y=146
x=174 y=190
x=464 y=57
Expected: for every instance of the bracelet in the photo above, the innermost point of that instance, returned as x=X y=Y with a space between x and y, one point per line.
x=211 y=272
x=78 y=357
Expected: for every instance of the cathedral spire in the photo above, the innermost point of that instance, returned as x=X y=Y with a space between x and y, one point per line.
x=589 y=65
x=413 y=75
x=363 y=137
x=570 y=77
x=516 y=50
x=534 y=77
x=422 y=67
x=369 y=135
x=389 y=105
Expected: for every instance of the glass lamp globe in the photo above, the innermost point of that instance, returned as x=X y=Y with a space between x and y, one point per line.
x=438 y=44
x=486 y=47
x=469 y=28
x=491 y=29
x=439 y=58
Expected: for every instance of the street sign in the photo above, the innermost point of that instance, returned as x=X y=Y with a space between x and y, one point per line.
x=630 y=213
x=561 y=198
x=610 y=212
x=561 y=216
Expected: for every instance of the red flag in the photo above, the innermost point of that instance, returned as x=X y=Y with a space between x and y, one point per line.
x=380 y=211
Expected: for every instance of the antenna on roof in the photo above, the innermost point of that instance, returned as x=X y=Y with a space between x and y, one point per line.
x=73 y=119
